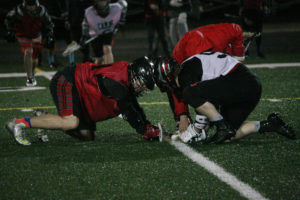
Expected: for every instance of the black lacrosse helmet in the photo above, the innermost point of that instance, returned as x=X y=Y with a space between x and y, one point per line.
x=142 y=72
x=102 y=10
x=165 y=72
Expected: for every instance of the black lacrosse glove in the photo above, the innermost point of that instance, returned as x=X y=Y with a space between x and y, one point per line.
x=10 y=37
x=49 y=42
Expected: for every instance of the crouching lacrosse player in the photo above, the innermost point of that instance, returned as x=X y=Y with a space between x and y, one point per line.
x=90 y=93
x=221 y=89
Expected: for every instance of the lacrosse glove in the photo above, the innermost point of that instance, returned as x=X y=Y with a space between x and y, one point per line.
x=152 y=133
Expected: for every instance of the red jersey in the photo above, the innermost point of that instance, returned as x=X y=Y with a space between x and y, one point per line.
x=223 y=37
x=97 y=106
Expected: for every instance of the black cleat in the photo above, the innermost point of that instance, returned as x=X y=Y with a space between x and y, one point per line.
x=274 y=123
x=224 y=132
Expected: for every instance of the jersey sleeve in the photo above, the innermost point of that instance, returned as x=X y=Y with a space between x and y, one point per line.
x=180 y=108
x=237 y=47
x=126 y=101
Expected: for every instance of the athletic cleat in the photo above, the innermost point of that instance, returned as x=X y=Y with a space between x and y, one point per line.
x=224 y=132
x=274 y=123
x=18 y=133
x=31 y=81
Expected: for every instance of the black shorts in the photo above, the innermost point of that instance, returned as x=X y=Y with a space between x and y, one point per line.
x=98 y=44
x=66 y=98
x=236 y=94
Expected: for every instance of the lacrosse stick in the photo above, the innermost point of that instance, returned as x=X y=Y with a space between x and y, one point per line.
x=163 y=134
x=74 y=46
x=250 y=40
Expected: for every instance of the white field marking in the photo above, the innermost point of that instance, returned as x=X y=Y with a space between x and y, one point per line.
x=274 y=100
x=244 y=189
x=27 y=110
x=20 y=89
x=273 y=65
x=47 y=75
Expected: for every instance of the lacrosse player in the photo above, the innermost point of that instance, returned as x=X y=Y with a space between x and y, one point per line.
x=90 y=93
x=102 y=20
x=32 y=26
x=177 y=13
x=223 y=37
x=222 y=89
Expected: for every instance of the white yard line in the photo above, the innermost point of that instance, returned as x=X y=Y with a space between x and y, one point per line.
x=47 y=75
x=273 y=65
x=244 y=189
x=20 y=89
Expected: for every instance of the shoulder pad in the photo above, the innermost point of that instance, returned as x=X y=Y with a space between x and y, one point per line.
x=42 y=11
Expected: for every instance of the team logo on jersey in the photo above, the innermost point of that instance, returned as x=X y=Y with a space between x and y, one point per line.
x=105 y=25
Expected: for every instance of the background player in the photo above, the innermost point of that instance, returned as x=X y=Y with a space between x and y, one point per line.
x=32 y=25
x=102 y=20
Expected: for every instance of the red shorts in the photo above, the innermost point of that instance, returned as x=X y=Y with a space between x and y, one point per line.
x=35 y=44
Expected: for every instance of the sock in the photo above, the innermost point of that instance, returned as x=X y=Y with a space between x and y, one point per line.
x=51 y=59
x=72 y=58
x=25 y=120
x=256 y=126
x=217 y=118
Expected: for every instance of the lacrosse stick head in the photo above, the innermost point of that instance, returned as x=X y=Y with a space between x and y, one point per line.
x=71 y=48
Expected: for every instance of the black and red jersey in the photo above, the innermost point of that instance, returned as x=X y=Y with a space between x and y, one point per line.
x=29 y=25
x=98 y=106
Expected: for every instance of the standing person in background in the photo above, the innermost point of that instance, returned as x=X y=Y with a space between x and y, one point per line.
x=75 y=10
x=177 y=13
x=155 y=14
x=102 y=20
x=252 y=12
x=32 y=26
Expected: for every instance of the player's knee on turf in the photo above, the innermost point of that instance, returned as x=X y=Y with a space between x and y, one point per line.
x=83 y=135
x=87 y=135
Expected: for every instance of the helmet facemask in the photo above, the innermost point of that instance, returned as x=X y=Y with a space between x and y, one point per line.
x=141 y=76
x=31 y=6
x=102 y=7
x=165 y=73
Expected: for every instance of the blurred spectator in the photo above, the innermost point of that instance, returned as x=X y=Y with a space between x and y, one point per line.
x=177 y=13
x=252 y=12
x=155 y=14
x=32 y=25
x=102 y=20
